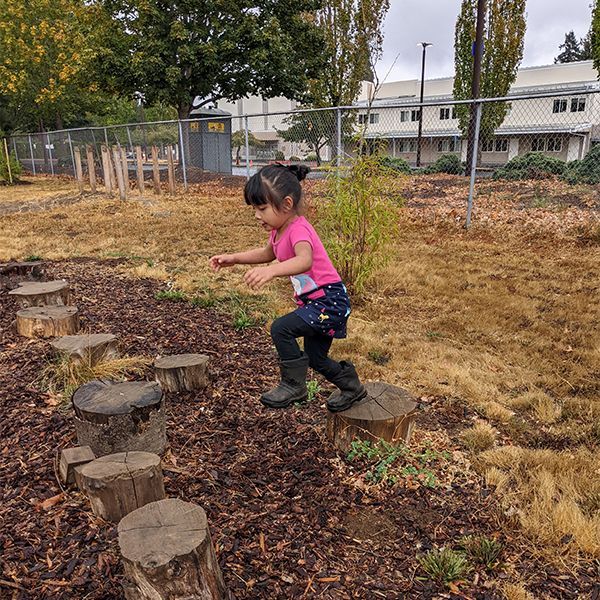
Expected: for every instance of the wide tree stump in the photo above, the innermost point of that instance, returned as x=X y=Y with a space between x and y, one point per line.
x=32 y=269
x=47 y=321
x=168 y=554
x=43 y=293
x=181 y=372
x=89 y=349
x=120 y=417
x=120 y=483
x=387 y=412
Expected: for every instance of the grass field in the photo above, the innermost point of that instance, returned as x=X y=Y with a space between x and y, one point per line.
x=504 y=317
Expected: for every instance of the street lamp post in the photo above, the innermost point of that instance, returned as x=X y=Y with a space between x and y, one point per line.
x=424 y=44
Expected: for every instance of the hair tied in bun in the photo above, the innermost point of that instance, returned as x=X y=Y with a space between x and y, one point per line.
x=299 y=171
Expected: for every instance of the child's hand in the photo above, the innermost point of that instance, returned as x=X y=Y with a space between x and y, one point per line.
x=221 y=260
x=257 y=277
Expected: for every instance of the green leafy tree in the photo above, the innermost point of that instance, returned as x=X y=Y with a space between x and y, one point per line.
x=214 y=50
x=574 y=50
x=503 y=50
x=238 y=139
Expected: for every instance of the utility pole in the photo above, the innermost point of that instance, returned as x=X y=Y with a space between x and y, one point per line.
x=419 y=135
x=475 y=84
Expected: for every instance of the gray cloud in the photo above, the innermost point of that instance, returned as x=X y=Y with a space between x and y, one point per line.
x=411 y=21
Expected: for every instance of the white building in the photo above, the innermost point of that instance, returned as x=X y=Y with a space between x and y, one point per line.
x=562 y=126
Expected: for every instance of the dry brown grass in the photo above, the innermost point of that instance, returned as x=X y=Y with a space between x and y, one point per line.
x=34 y=189
x=482 y=436
x=503 y=319
x=516 y=591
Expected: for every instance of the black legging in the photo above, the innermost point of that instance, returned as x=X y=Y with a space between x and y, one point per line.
x=284 y=332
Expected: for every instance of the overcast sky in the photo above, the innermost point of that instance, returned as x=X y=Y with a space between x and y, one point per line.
x=411 y=21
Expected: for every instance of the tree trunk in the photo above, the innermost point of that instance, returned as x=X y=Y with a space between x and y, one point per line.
x=47 y=321
x=182 y=372
x=89 y=349
x=168 y=553
x=44 y=293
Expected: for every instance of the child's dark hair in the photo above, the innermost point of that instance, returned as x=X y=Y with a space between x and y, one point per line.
x=273 y=183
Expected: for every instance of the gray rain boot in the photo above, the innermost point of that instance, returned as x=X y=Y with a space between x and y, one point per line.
x=352 y=390
x=292 y=387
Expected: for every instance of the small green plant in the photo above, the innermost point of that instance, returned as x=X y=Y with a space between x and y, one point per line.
x=482 y=550
x=173 y=295
x=15 y=167
x=433 y=335
x=206 y=300
x=242 y=320
x=313 y=388
x=33 y=258
x=444 y=565
x=379 y=357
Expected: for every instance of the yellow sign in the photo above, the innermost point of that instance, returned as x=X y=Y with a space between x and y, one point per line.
x=194 y=126
x=218 y=127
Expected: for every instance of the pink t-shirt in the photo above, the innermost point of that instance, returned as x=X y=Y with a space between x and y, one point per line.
x=322 y=271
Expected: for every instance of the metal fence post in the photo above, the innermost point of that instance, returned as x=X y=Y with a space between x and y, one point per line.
x=72 y=153
x=473 y=163
x=339 y=139
x=32 y=157
x=106 y=137
x=129 y=138
x=247 y=147
x=50 y=154
x=182 y=147
x=14 y=141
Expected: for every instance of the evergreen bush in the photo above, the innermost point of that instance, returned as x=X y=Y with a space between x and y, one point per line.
x=533 y=165
x=586 y=170
x=396 y=164
x=446 y=163
x=15 y=168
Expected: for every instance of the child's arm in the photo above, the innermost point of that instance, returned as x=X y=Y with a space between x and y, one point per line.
x=249 y=257
x=301 y=263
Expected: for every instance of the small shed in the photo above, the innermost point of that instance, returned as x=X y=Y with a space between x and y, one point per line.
x=210 y=139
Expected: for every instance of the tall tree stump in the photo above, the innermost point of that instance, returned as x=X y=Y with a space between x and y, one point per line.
x=182 y=372
x=120 y=483
x=42 y=293
x=168 y=554
x=47 y=321
x=120 y=417
x=33 y=269
x=387 y=412
x=89 y=349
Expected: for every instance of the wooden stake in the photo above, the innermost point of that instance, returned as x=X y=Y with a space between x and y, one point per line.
x=155 y=170
x=125 y=169
x=111 y=169
x=78 y=168
x=91 y=167
x=119 y=171
x=171 y=170
x=140 y=169
x=106 y=171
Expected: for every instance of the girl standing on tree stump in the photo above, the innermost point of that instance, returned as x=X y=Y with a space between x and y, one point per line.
x=323 y=304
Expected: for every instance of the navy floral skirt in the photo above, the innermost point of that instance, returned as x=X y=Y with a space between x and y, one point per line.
x=328 y=313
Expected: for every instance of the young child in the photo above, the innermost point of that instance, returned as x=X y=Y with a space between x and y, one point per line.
x=323 y=304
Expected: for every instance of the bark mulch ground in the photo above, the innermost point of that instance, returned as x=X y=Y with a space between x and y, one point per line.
x=290 y=517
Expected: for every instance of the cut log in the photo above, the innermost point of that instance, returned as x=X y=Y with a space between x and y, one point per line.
x=89 y=349
x=47 y=321
x=32 y=269
x=168 y=553
x=388 y=412
x=119 y=483
x=182 y=372
x=120 y=417
x=70 y=459
x=43 y=293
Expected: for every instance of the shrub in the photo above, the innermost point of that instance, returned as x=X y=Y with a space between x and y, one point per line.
x=483 y=550
x=396 y=164
x=311 y=158
x=445 y=565
x=15 y=168
x=279 y=155
x=446 y=163
x=295 y=159
x=586 y=170
x=533 y=165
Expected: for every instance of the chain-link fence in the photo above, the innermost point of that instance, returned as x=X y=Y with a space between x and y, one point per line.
x=513 y=137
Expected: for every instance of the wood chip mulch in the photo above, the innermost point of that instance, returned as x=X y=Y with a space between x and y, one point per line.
x=290 y=517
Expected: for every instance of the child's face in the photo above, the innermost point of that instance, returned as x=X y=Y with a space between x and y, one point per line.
x=271 y=218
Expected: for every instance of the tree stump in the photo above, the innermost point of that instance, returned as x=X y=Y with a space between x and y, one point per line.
x=32 y=269
x=387 y=412
x=120 y=483
x=43 y=293
x=47 y=321
x=70 y=459
x=120 y=417
x=168 y=554
x=182 y=372
x=89 y=349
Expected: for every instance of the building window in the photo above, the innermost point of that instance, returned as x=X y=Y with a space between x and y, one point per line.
x=408 y=146
x=554 y=144
x=559 y=106
x=451 y=145
x=374 y=118
x=577 y=104
x=415 y=115
x=487 y=146
x=501 y=145
x=538 y=144
x=404 y=115
x=362 y=119
x=444 y=113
